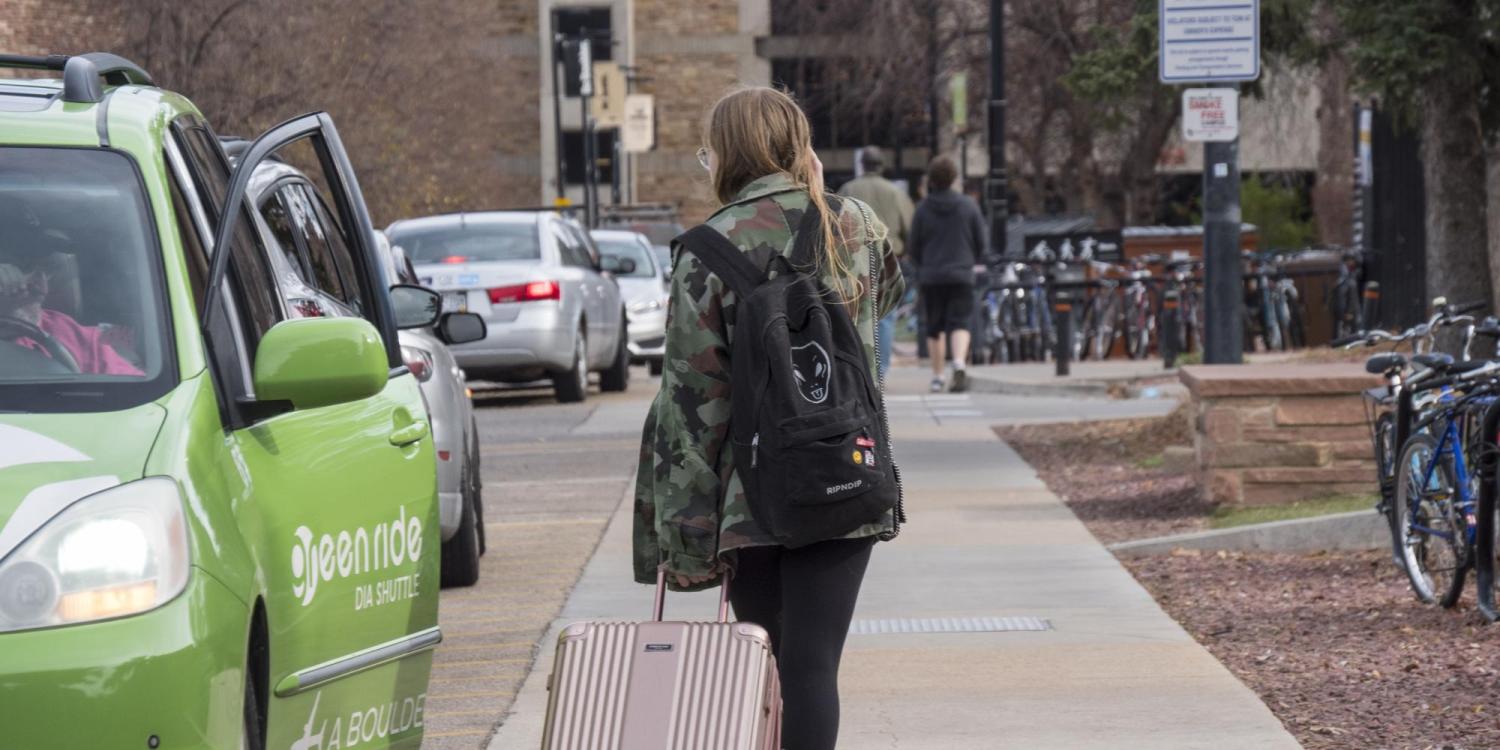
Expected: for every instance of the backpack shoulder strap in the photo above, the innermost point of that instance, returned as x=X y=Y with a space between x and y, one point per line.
x=723 y=258
x=810 y=233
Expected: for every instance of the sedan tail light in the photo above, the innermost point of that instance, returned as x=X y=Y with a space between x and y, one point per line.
x=532 y=292
x=419 y=362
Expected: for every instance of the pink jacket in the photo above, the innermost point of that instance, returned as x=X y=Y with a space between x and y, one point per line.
x=85 y=343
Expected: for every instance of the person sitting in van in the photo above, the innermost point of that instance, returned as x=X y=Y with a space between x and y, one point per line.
x=24 y=284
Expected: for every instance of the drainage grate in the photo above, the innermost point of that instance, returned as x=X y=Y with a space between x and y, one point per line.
x=949 y=625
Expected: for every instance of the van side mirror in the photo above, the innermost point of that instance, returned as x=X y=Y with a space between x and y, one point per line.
x=313 y=362
x=461 y=328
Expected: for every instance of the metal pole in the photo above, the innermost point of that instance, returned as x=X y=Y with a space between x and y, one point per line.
x=614 y=172
x=995 y=185
x=590 y=158
x=1223 y=284
x=559 y=48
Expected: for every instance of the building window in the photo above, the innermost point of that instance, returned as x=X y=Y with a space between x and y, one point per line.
x=604 y=153
x=573 y=23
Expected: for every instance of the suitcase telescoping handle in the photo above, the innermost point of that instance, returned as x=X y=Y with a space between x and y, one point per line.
x=661 y=596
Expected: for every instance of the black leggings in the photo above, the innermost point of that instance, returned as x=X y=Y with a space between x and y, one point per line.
x=804 y=598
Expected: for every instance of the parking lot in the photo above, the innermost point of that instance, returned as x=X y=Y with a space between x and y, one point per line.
x=553 y=474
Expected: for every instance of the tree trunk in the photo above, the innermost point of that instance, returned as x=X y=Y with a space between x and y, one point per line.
x=1492 y=158
x=1333 y=195
x=1453 y=166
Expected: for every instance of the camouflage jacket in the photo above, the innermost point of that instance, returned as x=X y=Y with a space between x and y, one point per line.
x=690 y=508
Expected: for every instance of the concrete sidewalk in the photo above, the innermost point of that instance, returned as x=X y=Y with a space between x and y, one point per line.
x=987 y=539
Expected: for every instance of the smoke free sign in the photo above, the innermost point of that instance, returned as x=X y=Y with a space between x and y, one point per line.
x=1209 y=40
x=1210 y=114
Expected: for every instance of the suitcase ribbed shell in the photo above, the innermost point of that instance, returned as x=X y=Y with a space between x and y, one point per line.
x=663 y=686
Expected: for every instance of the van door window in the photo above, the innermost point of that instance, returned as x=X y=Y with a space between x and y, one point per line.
x=251 y=271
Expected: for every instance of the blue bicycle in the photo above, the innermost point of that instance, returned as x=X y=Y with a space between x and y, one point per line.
x=1437 y=489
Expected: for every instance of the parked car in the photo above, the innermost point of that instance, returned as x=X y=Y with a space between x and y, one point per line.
x=455 y=433
x=657 y=221
x=535 y=276
x=217 y=517
x=291 y=224
x=643 y=283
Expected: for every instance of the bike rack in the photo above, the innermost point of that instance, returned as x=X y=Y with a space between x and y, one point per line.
x=1489 y=488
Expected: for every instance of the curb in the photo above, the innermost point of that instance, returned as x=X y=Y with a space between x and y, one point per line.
x=1113 y=389
x=1356 y=530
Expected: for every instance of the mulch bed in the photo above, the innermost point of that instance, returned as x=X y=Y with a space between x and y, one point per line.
x=1338 y=647
x=1334 y=643
x=1094 y=467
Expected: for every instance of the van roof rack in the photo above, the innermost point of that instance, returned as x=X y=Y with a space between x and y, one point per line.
x=81 y=73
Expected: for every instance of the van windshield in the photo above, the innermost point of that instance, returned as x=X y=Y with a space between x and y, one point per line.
x=82 y=320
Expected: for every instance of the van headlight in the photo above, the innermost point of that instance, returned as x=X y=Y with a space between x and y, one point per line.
x=118 y=552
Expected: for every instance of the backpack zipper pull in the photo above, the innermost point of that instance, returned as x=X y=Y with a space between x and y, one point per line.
x=754 y=450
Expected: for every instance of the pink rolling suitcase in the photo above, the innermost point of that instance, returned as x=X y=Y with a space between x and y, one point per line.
x=664 y=685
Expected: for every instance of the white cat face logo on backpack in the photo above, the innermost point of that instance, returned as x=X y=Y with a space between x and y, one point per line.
x=811 y=367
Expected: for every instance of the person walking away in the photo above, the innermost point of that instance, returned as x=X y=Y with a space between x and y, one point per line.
x=697 y=511
x=947 y=245
x=894 y=208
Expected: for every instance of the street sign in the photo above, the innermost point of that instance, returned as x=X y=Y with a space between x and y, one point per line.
x=958 y=87
x=1091 y=245
x=1210 y=114
x=638 y=133
x=585 y=68
x=608 y=105
x=1209 y=40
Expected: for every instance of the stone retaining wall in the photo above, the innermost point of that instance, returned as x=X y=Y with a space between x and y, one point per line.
x=1279 y=433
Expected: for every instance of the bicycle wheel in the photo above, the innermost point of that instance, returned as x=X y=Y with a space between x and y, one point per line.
x=1083 y=330
x=1428 y=526
x=1106 y=329
x=1137 y=329
x=1272 y=327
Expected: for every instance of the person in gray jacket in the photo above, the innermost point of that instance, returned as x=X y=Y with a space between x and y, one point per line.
x=947 y=244
x=892 y=206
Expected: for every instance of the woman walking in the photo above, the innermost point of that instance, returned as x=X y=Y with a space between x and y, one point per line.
x=692 y=516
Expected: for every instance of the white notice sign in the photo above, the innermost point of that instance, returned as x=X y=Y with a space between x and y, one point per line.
x=1210 y=114
x=638 y=133
x=1209 y=40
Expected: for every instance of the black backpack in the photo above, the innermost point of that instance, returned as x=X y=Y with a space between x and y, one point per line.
x=811 y=441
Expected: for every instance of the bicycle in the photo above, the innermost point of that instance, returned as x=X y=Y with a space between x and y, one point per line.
x=1436 y=493
x=1274 y=309
x=1389 y=409
x=1139 y=311
x=1344 y=302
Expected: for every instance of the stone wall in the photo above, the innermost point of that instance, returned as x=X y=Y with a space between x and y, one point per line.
x=1272 y=434
x=691 y=52
x=34 y=27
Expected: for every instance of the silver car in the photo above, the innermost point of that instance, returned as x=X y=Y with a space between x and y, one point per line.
x=552 y=309
x=297 y=228
x=643 y=283
x=455 y=435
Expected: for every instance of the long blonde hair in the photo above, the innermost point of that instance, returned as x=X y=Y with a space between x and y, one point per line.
x=756 y=131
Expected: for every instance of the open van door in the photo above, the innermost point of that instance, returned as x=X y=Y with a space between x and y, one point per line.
x=334 y=447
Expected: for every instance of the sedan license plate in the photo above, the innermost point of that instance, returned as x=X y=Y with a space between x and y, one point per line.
x=455 y=302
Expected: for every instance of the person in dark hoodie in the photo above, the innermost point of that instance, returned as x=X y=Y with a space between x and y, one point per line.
x=947 y=244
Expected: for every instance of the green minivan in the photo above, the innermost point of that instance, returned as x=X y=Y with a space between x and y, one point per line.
x=218 y=519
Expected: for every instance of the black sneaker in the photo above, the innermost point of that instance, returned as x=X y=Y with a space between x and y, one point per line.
x=960 y=382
